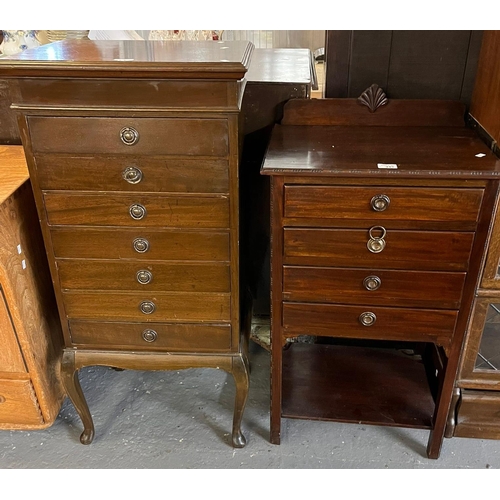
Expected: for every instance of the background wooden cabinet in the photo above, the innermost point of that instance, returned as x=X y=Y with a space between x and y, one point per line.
x=30 y=334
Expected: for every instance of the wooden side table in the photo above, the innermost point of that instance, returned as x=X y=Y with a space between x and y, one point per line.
x=30 y=334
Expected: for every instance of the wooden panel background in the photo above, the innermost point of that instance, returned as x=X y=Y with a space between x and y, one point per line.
x=407 y=64
x=485 y=105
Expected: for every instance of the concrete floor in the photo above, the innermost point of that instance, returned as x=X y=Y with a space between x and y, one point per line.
x=182 y=420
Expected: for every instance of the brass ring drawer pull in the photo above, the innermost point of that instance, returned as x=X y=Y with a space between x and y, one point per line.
x=376 y=243
x=2 y=399
x=129 y=136
x=132 y=175
x=147 y=307
x=144 y=277
x=372 y=283
x=141 y=245
x=367 y=318
x=137 y=211
x=380 y=202
x=149 y=335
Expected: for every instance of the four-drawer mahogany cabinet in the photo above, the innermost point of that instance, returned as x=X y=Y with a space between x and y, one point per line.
x=380 y=214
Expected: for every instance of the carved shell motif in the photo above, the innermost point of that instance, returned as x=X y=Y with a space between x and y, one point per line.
x=373 y=97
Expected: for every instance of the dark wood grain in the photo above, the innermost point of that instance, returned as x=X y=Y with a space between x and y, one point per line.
x=105 y=173
x=179 y=94
x=132 y=59
x=113 y=210
x=119 y=275
x=307 y=150
x=354 y=384
x=88 y=110
x=118 y=244
x=403 y=203
x=485 y=104
x=341 y=321
x=397 y=288
x=323 y=176
x=397 y=113
x=418 y=250
x=157 y=136
x=172 y=337
x=170 y=306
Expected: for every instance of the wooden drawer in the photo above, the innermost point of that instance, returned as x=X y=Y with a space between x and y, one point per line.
x=437 y=290
x=144 y=174
x=18 y=403
x=121 y=244
x=478 y=415
x=162 y=136
x=411 y=203
x=415 y=250
x=115 y=210
x=421 y=325
x=171 y=337
x=174 y=306
x=144 y=276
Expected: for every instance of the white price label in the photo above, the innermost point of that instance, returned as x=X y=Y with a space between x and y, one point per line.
x=387 y=165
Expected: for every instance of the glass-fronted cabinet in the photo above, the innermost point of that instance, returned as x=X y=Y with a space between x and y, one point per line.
x=475 y=409
x=481 y=360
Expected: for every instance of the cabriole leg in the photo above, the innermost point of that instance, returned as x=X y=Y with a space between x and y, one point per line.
x=241 y=378
x=69 y=375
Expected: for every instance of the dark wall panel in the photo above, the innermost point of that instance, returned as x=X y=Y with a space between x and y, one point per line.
x=427 y=64
x=406 y=64
x=370 y=54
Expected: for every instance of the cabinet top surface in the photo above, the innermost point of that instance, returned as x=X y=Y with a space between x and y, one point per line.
x=132 y=58
x=379 y=151
x=15 y=170
x=280 y=66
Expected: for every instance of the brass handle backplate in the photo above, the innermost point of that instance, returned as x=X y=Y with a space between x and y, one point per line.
x=132 y=175
x=367 y=318
x=376 y=243
x=147 y=307
x=144 y=277
x=372 y=283
x=380 y=202
x=129 y=136
x=137 y=211
x=141 y=245
x=149 y=335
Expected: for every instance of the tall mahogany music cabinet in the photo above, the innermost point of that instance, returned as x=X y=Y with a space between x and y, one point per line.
x=133 y=150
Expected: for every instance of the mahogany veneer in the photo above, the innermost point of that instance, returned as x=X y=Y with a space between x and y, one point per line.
x=380 y=215
x=133 y=150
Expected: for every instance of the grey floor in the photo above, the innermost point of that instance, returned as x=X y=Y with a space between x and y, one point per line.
x=174 y=420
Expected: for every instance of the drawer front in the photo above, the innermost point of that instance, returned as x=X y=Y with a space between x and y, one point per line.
x=131 y=173
x=143 y=276
x=140 y=244
x=160 y=306
x=163 y=136
x=152 y=336
x=383 y=203
x=415 y=250
x=478 y=415
x=421 y=325
x=18 y=403
x=136 y=210
x=377 y=287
